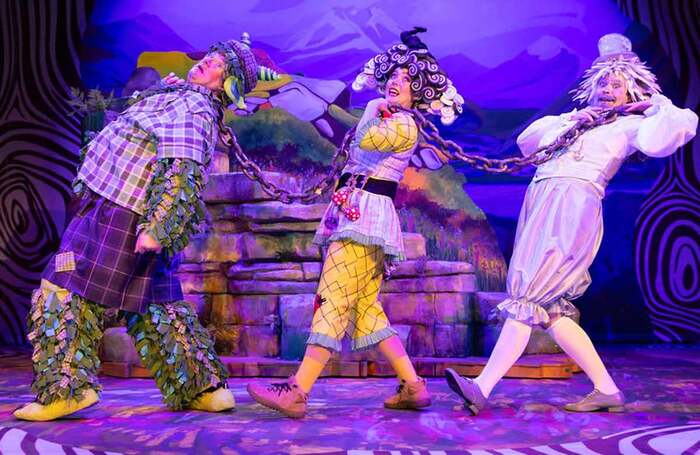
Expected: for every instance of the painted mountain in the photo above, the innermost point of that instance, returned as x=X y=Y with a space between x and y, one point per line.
x=110 y=51
x=517 y=58
x=512 y=65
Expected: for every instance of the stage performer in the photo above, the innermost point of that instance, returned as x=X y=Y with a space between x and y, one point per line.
x=560 y=225
x=361 y=228
x=141 y=181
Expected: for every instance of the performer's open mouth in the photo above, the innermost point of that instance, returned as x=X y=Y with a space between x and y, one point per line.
x=393 y=91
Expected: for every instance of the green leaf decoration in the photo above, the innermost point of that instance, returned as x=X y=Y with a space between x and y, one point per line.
x=179 y=375
x=174 y=219
x=65 y=368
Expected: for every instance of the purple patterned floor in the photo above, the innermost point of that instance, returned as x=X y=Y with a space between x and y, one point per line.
x=662 y=384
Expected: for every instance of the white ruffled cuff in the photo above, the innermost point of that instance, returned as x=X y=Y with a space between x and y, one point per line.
x=657 y=101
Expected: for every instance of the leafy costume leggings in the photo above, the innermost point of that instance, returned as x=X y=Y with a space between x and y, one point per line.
x=65 y=331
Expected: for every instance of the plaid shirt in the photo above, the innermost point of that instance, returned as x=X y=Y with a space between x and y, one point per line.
x=119 y=161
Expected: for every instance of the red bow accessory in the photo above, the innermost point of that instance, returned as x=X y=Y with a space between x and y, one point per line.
x=387 y=112
x=340 y=198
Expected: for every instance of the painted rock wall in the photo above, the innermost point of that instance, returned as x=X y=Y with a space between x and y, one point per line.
x=253 y=279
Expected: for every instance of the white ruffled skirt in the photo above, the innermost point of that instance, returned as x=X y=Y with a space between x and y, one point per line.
x=559 y=232
x=378 y=224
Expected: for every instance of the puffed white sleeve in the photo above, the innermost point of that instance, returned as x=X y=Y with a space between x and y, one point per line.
x=664 y=128
x=544 y=131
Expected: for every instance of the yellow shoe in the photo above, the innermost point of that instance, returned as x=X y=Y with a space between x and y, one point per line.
x=219 y=400
x=41 y=413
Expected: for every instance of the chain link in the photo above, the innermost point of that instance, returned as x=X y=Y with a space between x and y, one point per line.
x=252 y=171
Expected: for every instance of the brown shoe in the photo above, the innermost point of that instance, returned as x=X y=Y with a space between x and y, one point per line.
x=285 y=397
x=474 y=399
x=409 y=395
x=598 y=401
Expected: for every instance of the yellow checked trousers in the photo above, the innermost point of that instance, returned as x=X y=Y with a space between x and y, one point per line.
x=346 y=300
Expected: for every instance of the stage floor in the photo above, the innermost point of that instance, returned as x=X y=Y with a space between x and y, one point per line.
x=662 y=384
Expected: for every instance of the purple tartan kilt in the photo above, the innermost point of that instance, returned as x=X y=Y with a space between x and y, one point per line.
x=102 y=238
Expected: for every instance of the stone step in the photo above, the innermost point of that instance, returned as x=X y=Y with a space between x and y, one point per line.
x=448 y=283
x=311 y=271
x=423 y=267
x=271 y=287
x=247 y=246
x=272 y=271
x=284 y=226
x=222 y=247
x=236 y=187
x=268 y=212
x=229 y=226
x=547 y=366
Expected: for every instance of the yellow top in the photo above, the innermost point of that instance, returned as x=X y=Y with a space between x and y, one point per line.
x=396 y=134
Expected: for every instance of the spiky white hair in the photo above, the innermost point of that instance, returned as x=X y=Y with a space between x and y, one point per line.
x=641 y=82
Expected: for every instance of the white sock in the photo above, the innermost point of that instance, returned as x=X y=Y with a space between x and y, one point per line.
x=577 y=345
x=509 y=347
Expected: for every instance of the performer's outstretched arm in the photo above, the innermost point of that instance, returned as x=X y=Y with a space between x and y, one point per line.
x=174 y=208
x=543 y=131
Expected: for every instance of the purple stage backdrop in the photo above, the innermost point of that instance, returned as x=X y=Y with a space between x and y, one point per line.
x=513 y=61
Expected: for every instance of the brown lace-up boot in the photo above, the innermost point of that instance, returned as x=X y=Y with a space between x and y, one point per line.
x=409 y=395
x=285 y=397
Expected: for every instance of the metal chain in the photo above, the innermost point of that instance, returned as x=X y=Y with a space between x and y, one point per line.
x=431 y=135
x=252 y=171
x=432 y=139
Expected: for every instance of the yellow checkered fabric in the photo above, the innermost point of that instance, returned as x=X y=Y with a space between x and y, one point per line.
x=396 y=134
x=64 y=262
x=348 y=289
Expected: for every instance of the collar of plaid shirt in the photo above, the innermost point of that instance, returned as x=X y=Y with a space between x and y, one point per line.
x=162 y=87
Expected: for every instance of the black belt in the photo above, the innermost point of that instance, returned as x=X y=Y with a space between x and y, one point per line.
x=376 y=186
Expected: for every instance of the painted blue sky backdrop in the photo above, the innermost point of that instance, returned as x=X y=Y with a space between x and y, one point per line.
x=515 y=54
x=513 y=61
